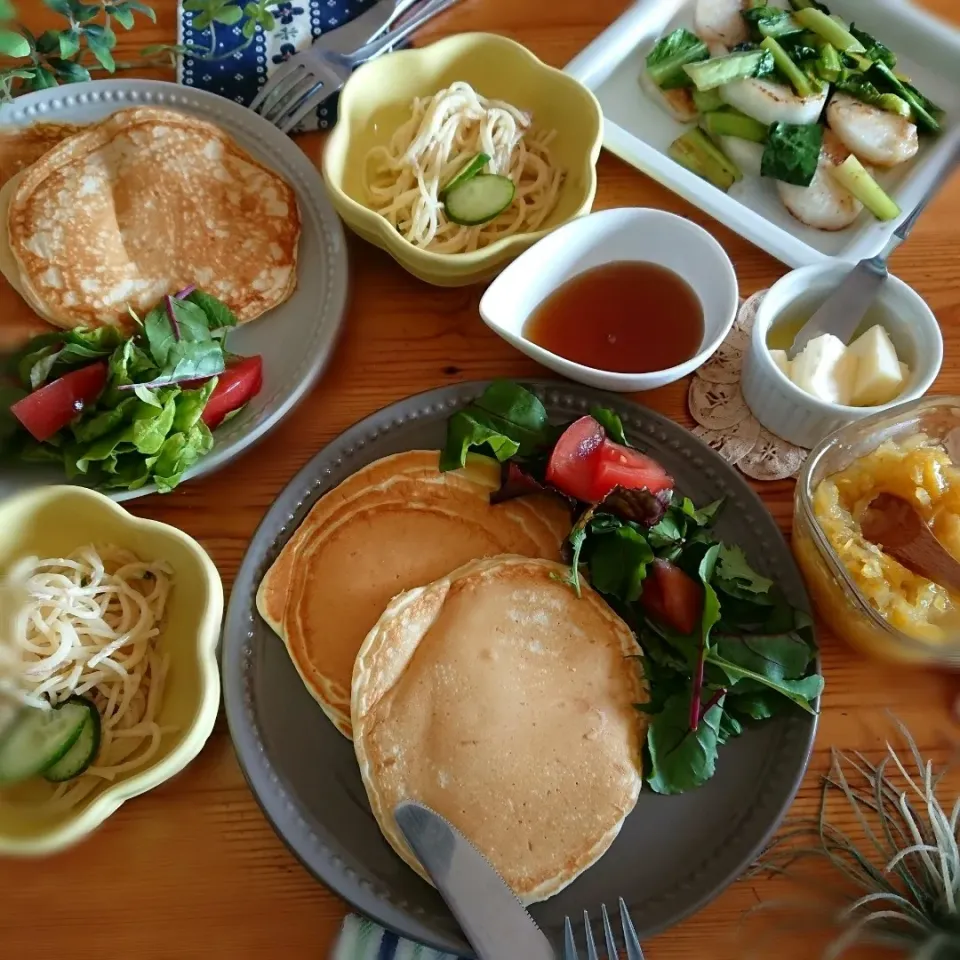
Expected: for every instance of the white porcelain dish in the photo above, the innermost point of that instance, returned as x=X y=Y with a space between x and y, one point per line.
x=298 y=338
x=639 y=132
x=630 y=233
x=791 y=413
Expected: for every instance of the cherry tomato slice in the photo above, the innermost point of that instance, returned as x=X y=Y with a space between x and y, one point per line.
x=573 y=461
x=237 y=385
x=672 y=597
x=51 y=408
x=620 y=466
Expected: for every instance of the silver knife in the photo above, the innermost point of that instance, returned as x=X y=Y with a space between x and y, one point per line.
x=362 y=29
x=488 y=911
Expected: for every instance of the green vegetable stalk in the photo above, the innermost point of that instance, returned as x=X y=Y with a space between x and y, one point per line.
x=829 y=29
x=852 y=175
x=800 y=81
x=666 y=61
x=829 y=66
x=732 y=123
x=697 y=152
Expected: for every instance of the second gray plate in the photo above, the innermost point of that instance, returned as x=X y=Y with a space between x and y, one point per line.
x=674 y=853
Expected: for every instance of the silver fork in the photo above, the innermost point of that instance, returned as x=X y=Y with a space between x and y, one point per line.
x=629 y=937
x=309 y=77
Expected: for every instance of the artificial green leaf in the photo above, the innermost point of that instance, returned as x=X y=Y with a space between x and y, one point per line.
x=610 y=422
x=190 y=406
x=249 y=29
x=68 y=71
x=198 y=6
x=267 y=20
x=7 y=12
x=218 y=313
x=48 y=41
x=122 y=13
x=43 y=79
x=682 y=759
x=102 y=52
x=68 y=42
x=62 y=7
x=229 y=16
x=201 y=21
x=252 y=10
x=13 y=44
x=142 y=8
x=83 y=12
x=618 y=563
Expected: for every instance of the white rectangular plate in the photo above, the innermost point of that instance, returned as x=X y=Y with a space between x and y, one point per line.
x=639 y=132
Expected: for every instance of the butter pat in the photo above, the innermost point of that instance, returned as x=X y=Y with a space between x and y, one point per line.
x=878 y=377
x=822 y=370
x=781 y=359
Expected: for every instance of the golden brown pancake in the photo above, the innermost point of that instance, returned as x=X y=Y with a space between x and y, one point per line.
x=20 y=147
x=503 y=701
x=398 y=523
x=141 y=205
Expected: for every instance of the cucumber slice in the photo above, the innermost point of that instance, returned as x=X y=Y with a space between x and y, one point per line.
x=39 y=738
x=479 y=200
x=82 y=753
x=472 y=167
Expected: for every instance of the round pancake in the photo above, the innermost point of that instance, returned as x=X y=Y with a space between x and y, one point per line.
x=141 y=205
x=360 y=552
x=272 y=593
x=503 y=701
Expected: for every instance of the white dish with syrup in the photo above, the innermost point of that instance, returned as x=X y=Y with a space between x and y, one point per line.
x=690 y=279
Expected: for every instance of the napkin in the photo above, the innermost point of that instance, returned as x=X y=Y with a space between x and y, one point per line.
x=239 y=74
x=362 y=940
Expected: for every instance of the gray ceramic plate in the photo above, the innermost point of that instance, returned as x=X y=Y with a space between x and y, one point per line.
x=673 y=854
x=297 y=339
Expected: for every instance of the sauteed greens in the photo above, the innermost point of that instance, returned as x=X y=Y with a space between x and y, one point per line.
x=723 y=648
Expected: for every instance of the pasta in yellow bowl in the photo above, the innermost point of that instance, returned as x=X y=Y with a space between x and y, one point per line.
x=456 y=157
x=116 y=614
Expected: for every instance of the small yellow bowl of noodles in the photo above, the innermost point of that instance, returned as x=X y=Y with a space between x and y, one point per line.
x=123 y=612
x=411 y=122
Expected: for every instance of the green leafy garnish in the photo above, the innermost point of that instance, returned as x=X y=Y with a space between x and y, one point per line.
x=505 y=421
x=792 y=153
x=875 y=50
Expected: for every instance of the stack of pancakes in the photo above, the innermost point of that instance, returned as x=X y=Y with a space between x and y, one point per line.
x=439 y=633
x=109 y=218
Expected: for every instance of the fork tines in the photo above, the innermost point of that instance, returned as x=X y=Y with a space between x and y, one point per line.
x=629 y=937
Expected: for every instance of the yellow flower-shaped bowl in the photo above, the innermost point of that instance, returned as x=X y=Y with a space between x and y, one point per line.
x=376 y=101
x=53 y=522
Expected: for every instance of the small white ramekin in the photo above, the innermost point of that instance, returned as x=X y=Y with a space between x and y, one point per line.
x=793 y=414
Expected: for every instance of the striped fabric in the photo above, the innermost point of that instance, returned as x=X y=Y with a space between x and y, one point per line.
x=362 y=940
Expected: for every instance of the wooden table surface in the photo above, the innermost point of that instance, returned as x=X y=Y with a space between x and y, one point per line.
x=193 y=869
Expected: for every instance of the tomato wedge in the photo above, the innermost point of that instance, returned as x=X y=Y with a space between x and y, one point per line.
x=672 y=597
x=620 y=466
x=237 y=385
x=573 y=461
x=587 y=464
x=51 y=408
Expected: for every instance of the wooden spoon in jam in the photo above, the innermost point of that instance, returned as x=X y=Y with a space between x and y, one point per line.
x=893 y=524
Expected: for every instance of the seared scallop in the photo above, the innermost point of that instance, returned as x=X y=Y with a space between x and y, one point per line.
x=721 y=21
x=876 y=136
x=678 y=103
x=824 y=205
x=771 y=102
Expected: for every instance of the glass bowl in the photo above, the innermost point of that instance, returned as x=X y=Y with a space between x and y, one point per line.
x=838 y=599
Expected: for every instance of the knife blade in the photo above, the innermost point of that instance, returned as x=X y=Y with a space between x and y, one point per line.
x=359 y=31
x=488 y=911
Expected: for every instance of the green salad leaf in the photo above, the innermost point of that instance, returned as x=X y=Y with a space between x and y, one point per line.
x=682 y=759
x=875 y=50
x=505 y=421
x=792 y=153
x=146 y=426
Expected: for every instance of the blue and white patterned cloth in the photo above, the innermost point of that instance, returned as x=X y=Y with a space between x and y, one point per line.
x=363 y=940
x=240 y=75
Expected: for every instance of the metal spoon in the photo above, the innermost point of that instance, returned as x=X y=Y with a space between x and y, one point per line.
x=846 y=307
x=894 y=524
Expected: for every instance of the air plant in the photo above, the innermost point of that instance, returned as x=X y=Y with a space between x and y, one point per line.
x=901 y=888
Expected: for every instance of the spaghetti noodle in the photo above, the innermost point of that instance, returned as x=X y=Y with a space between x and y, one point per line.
x=88 y=626
x=404 y=180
